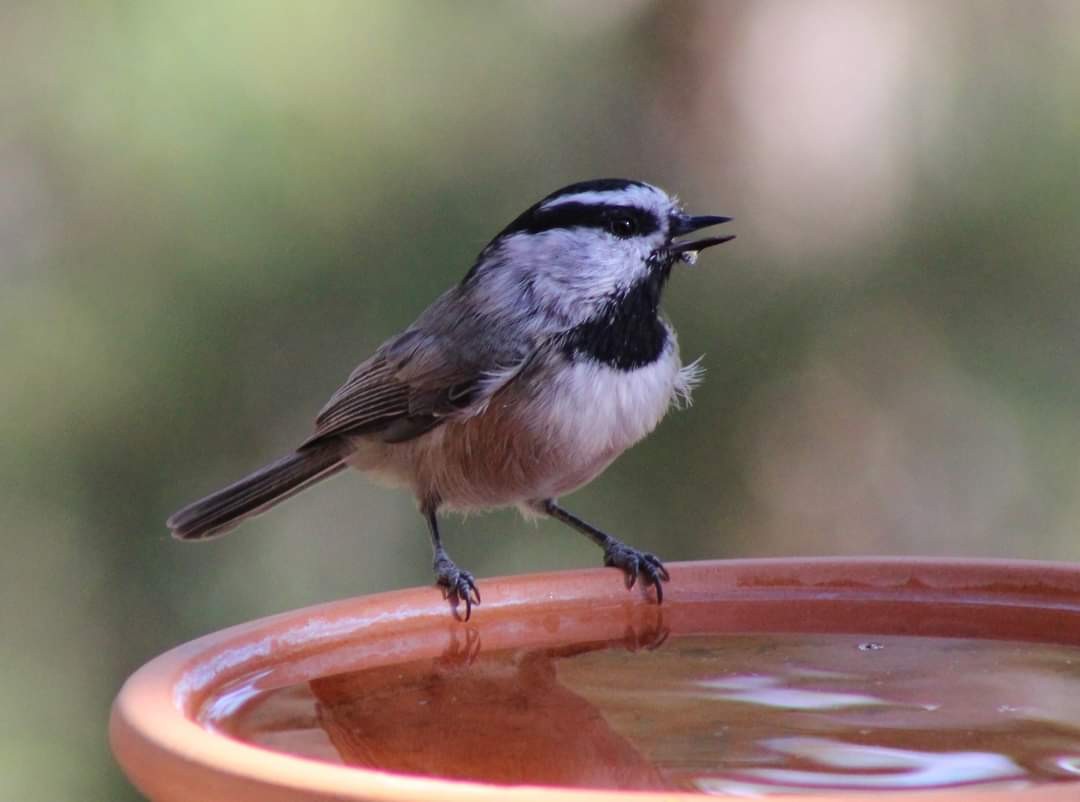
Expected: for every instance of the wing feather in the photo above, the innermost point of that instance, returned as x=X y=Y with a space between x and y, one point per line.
x=371 y=397
x=450 y=362
x=376 y=398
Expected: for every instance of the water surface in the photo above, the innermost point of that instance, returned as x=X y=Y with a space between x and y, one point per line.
x=723 y=714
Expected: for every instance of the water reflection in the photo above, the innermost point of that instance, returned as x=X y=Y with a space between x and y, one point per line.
x=502 y=717
x=734 y=714
x=1066 y=764
x=854 y=767
x=234 y=698
x=770 y=692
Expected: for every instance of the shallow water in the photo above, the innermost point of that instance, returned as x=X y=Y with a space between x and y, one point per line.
x=738 y=714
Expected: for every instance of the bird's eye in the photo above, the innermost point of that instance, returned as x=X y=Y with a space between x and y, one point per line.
x=623 y=226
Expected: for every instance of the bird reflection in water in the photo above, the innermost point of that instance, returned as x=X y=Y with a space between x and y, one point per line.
x=500 y=717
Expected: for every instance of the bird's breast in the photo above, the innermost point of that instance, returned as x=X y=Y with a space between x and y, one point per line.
x=546 y=435
x=597 y=411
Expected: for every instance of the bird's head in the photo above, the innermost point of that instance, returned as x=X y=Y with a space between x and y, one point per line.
x=586 y=244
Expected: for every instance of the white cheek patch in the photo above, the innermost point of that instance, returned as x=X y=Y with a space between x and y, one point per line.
x=571 y=270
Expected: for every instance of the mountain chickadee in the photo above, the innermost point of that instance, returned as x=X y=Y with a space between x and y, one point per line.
x=518 y=385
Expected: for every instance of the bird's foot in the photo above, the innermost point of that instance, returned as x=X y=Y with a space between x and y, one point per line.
x=635 y=563
x=458 y=585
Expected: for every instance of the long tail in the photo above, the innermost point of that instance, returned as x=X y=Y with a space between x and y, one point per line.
x=267 y=487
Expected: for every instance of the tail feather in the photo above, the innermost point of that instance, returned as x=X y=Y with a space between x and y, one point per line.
x=267 y=487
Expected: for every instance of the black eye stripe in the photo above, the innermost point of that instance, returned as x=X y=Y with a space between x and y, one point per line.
x=581 y=215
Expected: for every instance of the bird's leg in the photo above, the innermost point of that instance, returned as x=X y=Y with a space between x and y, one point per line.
x=458 y=584
x=633 y=562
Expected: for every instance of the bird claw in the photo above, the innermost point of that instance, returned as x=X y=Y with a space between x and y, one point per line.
x=635 y=563
x=458 y=585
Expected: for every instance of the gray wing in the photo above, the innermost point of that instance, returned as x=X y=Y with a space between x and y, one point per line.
x=450 y=361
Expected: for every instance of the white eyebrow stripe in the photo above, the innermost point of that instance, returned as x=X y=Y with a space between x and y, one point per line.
x=643 y=197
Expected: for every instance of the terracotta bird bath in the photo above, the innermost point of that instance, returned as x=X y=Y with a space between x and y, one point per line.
x=938 y=680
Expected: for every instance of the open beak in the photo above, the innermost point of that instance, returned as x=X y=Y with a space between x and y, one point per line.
x=689 y=249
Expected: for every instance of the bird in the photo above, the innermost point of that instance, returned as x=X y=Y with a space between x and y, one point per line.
x=518 y=385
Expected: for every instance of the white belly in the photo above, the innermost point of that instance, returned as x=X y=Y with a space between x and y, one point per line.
x=539 y=440
x=594 y=413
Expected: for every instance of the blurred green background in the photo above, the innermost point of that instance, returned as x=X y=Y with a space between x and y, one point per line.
x=210 y=212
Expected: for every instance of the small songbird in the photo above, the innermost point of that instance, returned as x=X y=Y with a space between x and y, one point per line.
x=518 y=385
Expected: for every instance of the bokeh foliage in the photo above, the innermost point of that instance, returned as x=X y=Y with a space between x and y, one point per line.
x=210 y=212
